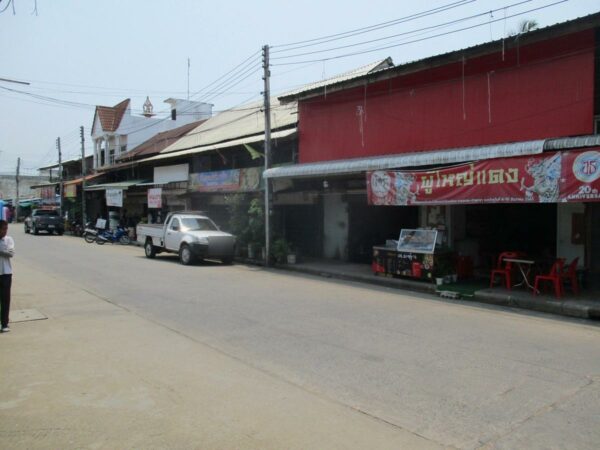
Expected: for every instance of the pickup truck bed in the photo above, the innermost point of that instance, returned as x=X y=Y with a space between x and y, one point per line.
x=191 y=235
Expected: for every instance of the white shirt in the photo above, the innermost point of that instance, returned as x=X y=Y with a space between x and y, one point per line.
x=7 y=250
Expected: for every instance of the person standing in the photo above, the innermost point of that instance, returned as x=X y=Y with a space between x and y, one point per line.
x=7 y=251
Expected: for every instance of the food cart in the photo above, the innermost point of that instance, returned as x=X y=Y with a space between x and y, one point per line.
x=414 y=255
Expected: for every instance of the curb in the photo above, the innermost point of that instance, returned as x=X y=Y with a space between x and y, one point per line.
x=577 y=309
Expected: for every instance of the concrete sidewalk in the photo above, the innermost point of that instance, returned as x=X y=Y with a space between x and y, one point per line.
x=95 y=375
x=583 y=306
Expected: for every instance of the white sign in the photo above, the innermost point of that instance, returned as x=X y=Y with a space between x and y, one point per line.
x=169 y=174
x=101 y=224
x=114 y=197
x=155 y=198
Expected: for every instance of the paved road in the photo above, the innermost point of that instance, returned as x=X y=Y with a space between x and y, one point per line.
x=458 y=375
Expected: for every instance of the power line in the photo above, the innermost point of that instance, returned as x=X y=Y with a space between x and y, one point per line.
x=358 y=31
x=428 y=28
x=422 y=39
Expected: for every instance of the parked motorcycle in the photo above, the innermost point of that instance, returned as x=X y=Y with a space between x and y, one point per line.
x=120 y=235
x=76 y=228
x=90 y=233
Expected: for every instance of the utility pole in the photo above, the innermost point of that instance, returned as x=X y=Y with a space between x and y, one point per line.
x=83 y=174
x=60 y=174
x=17 y=181
x=267 y=107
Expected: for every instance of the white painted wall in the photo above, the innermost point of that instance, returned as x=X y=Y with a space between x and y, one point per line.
x=135 y=130
x=564 y=247
x=335 y=227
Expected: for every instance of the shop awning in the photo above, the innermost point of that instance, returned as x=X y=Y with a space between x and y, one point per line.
x=438 y=157
x=119 y=185
x=80 y=180
x=44 y=185
x=232 y=143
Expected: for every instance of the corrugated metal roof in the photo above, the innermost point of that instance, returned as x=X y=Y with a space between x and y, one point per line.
x=355 y=73
x=119 y=185
x=206 y=148
x=236 y=123
x=591 y=140
x=559 y=29
x=448 y=156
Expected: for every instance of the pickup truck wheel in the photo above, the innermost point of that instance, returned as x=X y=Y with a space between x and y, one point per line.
x=26 y=229
x=35 y=230
x=185 y=255
x=228 y=261
x=149 y=249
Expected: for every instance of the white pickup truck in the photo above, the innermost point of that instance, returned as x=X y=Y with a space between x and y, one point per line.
x=190 y=234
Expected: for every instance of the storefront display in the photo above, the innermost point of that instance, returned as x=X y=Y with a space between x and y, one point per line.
x=414 y=255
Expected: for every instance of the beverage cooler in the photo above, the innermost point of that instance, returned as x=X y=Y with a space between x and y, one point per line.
x=414 y=255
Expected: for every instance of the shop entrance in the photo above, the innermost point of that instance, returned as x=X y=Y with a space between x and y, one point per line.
x=491 y=229
x=373 y=225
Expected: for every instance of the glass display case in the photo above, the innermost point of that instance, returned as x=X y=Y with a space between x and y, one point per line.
x=414 y=255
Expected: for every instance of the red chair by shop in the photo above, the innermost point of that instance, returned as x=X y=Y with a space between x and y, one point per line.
x=503 y=269
x=570 y=275
x=554 y=276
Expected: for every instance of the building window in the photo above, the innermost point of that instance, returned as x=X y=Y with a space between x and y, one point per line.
x=123 y=148
x=111 y=159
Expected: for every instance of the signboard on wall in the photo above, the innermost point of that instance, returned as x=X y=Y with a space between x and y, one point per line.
x=248 y=179
x=546 y=178
x=155 y=198
x=170 y=174
x=114 y=197
x=70 y=190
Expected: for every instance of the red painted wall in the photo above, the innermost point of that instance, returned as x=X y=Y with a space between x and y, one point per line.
x=539 y=91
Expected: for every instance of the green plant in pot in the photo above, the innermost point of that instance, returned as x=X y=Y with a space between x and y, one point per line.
x=256 y=224
x=281 y=248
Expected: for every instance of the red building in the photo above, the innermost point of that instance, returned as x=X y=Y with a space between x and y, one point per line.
x=508 y=105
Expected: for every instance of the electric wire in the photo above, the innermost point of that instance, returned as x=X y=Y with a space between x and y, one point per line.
x=428 y=28
x=421 y=39
x=370 y=28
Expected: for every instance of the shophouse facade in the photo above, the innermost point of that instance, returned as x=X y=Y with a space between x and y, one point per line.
x=521 y=103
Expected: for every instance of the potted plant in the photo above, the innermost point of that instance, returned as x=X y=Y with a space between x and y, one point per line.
x=255 y=231
x=281 y=249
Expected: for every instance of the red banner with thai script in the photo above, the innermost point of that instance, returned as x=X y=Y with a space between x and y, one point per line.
x=545 y=178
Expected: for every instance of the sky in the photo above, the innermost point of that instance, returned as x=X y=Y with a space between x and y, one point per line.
x=78 y=54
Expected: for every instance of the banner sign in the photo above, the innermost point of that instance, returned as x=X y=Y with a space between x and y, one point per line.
x=155 y=198
x=48 y=193
x=70 y=190
x=226 y=180
x=114 y=197
x=546 y=178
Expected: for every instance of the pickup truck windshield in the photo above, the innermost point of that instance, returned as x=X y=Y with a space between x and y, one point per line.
x=45 y=212
x=197 y=223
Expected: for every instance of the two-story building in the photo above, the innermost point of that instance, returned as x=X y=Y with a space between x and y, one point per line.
x=492 y=145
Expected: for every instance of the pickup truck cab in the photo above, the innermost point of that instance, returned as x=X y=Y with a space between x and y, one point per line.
x=44 y=220
x=192 y=235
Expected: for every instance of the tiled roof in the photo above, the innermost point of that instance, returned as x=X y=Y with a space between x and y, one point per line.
x=159 y=141
x=110 y=116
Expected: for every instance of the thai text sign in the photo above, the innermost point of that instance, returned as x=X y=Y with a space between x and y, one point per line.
x=114 y=197
x=545 y=178
x=226 y=180
x=155 y=198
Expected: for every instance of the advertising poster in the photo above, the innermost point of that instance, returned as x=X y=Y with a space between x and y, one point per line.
x=70 y=190
x=114 y=197
x=155 y=198
x=218 y=180
x=546 y=178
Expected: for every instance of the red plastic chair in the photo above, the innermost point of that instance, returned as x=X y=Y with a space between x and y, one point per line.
x=554 y=276
x=570 y=275
x=503 y=269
